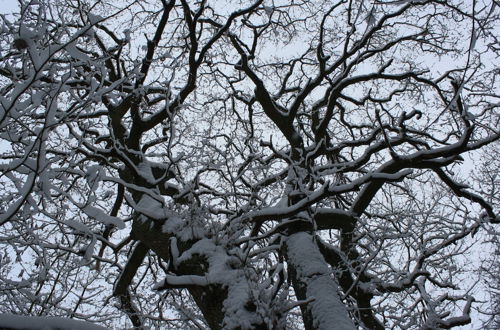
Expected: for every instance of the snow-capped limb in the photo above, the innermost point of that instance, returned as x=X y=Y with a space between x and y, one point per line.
x=174 y=251
x=99 y=215
x=378 y=176
x=436 y=320
x=431 y=158
x=276 y=213
x=455 y=321
x=329 y=218
x=399 y=2
x=462 y=192
x=214 y=278
x=182 y=281
x=312 y=280
x=121 y=286
x=16 y=206
x=360 y=289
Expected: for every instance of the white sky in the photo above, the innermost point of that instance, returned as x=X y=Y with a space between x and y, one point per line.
x=8 y=6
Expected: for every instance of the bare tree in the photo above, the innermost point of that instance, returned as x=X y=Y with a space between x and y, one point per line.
x=246 y=165
x=487 y=179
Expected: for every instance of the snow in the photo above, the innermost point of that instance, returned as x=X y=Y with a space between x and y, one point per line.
x=152 y=208
x=9 y=321
x=93 y=176
x=182 y=280
x=236 y=315
x=326 y=306
x=76 y=54
x=183 y=230
x=78 y=226
x=220 y=271
x=23 y=192
x=145 y=171
x=174 y=251
x=100 y=216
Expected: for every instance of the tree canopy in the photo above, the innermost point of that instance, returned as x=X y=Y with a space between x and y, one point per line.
x=250 y=164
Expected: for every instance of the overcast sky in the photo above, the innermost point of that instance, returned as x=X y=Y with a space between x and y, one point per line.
x=8 y=6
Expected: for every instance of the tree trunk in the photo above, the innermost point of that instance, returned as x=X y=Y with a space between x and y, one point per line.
x=313 y=282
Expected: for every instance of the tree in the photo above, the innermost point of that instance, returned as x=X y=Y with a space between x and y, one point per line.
x=487 y=174
x=247 y=165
